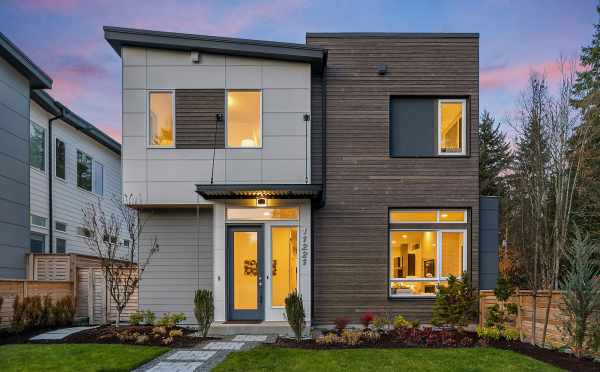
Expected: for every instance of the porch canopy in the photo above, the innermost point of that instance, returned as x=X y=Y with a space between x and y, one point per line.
x=252 y=191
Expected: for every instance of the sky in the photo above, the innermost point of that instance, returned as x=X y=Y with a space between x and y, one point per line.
x=65 y=37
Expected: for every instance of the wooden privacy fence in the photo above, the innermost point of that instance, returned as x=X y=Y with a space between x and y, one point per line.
x=524 y=322
x=60 y=275
x=11 y=288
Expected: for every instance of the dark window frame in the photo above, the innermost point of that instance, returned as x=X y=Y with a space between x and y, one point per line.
x=32 y=126
x=468 y=109
x=85 y=155
x=56 y=159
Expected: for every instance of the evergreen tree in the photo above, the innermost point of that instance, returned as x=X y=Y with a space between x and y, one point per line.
x=587 y=99
x=494 y=157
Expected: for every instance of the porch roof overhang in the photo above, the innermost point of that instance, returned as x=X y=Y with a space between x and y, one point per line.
x=252 y=191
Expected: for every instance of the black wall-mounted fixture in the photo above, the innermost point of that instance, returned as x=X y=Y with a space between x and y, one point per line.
x=220 y=116
x=306 y=117
x=382 y=69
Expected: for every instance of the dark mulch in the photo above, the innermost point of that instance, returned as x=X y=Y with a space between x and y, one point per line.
x=8 y=337
x=449 y=339
x=553 y=357
x=108 y=334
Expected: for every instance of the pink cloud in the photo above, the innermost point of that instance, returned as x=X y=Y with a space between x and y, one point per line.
x=514 y=77
x=49 y=4
x=110 y=130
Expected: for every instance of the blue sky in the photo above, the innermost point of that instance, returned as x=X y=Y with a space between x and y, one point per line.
x=65 y=37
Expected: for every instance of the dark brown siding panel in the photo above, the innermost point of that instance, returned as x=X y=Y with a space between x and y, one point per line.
x=350 y=250
x=316 y=122
x=195 y=118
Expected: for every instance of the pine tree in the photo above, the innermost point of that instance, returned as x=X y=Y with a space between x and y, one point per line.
x=587 y=99
x=494 y=157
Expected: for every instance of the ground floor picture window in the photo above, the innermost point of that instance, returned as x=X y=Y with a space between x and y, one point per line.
x=422 y=259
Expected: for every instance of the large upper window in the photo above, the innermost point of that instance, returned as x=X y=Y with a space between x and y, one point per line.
x=161 y=131
x=60 y=159
x=423 y=259
x=37 y=147
x=425 y=126
x=84 y=170
x=244 y=127
x=451 y=127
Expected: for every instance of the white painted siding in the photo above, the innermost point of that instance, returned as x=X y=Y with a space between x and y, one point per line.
x=168 y=176
x=69 y=199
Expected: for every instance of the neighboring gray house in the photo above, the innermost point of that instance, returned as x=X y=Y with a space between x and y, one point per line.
x=18 y=76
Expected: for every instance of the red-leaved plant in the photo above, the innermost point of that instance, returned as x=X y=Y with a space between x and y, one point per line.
x=341 y=323
x=366 y=319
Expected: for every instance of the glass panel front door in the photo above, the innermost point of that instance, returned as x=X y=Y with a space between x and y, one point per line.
x=245 y=272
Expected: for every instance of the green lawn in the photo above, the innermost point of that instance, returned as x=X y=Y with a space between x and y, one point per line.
x=75 y=357
x=272 y=359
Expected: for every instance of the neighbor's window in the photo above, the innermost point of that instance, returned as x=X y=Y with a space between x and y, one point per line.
x=37 y=147
x=451 y=127
x=244 y=119
x=98 y=176
x=421 y=260
x=60 y=159
x=161 y=120
x=284 y=269
x=84 y=170
x=61 y=245
x=38 y=221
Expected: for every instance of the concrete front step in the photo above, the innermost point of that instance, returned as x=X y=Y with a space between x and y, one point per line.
x=263 y=328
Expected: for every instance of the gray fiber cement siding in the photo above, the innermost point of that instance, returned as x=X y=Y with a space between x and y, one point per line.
x=183 y=263
x=14 y=171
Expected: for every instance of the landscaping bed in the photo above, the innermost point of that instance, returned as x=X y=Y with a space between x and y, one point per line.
x=137 y=335
x=407 y=338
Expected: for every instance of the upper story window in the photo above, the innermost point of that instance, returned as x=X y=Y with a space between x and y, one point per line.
x=244 y=119
x=60 y=159
x=37 y=147
x=451 y=127
x=84 y=170
x=98 y=176
x=161 y=120
x=425 y=127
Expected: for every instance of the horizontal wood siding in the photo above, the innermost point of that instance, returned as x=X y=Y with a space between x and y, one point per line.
x=316 y=141
x=362 y=181
x=195 y=118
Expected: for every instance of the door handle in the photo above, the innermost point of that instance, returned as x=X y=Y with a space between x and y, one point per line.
x=260 y=281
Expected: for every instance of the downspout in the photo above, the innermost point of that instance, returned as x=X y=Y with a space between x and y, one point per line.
x=323 y=131
x=61 y=115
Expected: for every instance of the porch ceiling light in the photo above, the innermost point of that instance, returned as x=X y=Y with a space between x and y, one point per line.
x=261 y=202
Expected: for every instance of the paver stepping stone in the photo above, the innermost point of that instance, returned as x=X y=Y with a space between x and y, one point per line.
x=250 y=338
x=223 y=346
x=175 y=367
x=59 y=334
x=191 y=355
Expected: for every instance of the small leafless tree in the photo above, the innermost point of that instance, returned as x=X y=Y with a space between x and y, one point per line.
x=122 y=265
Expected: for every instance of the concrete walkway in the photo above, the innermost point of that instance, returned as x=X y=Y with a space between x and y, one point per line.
x=204 y=356
x=58 y=334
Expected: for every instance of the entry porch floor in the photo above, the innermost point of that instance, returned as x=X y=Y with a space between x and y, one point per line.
x=250 y=328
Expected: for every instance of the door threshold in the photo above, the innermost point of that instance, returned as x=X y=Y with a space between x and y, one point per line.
x=243 y=322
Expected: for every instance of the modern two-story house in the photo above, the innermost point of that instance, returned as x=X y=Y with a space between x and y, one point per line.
x=345 y=168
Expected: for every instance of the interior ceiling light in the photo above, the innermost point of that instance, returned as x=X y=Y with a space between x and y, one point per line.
x=404 y=236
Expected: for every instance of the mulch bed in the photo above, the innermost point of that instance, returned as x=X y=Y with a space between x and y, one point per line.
x=452 y=339
x=107 y=334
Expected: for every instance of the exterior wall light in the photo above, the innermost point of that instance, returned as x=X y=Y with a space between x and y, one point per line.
x=261 y=202
x=382 y=69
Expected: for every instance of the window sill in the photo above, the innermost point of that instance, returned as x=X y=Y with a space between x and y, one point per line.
x=38 y=171
x=161 y=147
x=412 y=297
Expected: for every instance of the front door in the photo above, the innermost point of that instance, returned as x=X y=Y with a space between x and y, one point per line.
x=245 y=294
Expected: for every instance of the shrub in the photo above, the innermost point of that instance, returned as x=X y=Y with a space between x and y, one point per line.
x=136 y=318
x=381 y=323
x=149 y=317
x=176 y=333
x=371 y=336
x=511 y=334
x=400 y=322
x=414 y=324
x=18 y=319
x=350 y=337
x=455 y=303
x=168 y=340
x=204 y=310
x=171 y=320
x=329 y=339
x=142 y=339
x=581 y=292
x=47 y=320
x=341 y=323
x=32 y=308
x=64 y=311
x=294 y=312
x=489 y=333
x=366 y=319
x=160 y=331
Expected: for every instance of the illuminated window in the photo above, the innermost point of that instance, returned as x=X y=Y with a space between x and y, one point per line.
x=259 y=214
x=451 y=127
x=244 y=119
x=422 y=260
x=161 y=122
x=284 y=252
